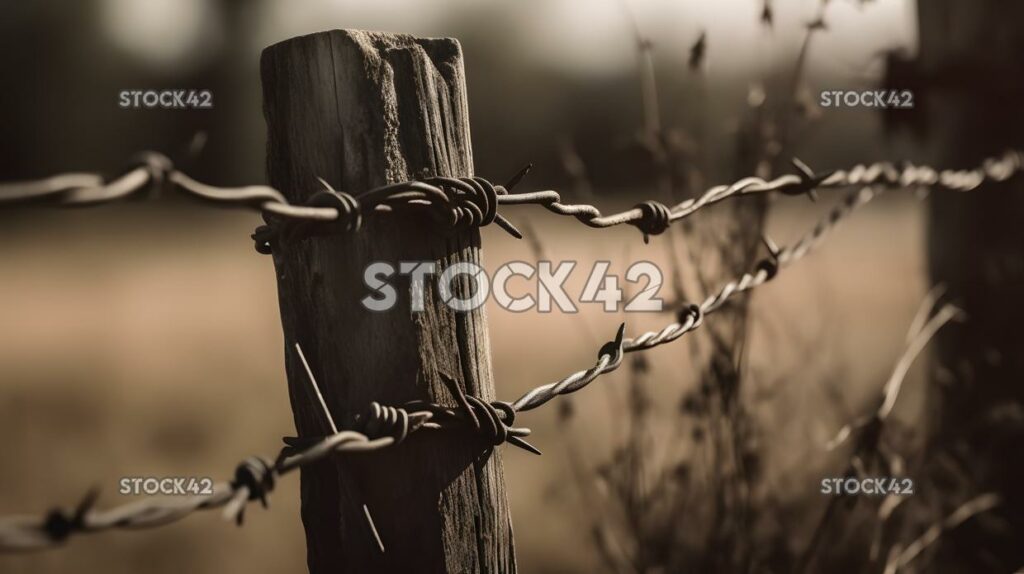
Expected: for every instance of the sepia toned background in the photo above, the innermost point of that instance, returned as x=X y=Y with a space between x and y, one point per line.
x=144 y=339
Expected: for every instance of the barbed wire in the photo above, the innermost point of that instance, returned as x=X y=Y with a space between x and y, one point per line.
x=382 y=426
x=385 y=426
x=455 y=202
x=690 y=317
x=653 y=217
x=255 y=477
x=466 y=201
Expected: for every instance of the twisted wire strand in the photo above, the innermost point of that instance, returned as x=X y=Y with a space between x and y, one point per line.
x=381 y=427
x=466 y=201
x=691 y=316
x=455 y=202
x=378 y=428
x=652 y=217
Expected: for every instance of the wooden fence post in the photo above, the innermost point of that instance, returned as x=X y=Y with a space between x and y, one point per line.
x=360 y=110
x=970 y=56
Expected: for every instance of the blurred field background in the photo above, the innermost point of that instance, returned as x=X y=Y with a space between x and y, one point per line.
x=144 y=339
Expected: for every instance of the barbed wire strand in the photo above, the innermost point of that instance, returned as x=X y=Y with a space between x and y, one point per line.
x=467 y=201
x=692 y=316
x=382 y=426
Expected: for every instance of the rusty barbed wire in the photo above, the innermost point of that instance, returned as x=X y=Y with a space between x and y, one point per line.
x=466 y=201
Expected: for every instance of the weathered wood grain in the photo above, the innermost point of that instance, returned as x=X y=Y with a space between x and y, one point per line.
x=360 y=110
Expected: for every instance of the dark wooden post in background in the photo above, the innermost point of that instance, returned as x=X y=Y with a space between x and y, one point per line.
x=361 y=110
x=972 y=59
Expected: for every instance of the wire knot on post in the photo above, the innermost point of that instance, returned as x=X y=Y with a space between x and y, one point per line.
x=492 y=426
x=459 y=203
x=655 y=219
x=492 y=421
x=349 y=218
x=381 y=421
x=472 y=202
